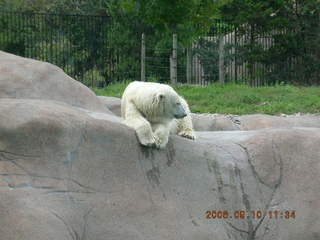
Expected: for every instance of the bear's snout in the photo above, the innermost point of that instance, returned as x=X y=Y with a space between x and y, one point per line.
x=179 y=116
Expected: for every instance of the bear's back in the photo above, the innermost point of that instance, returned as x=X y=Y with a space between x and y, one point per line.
x=150 y=87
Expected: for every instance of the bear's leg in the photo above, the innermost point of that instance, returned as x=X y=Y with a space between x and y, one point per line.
x=142 y=127
x=184 y=126
x=185 y=131
x=162 y=132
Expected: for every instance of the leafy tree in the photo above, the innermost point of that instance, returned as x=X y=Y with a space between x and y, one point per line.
x=114 y=43
x=293 y=26
x=188 y=18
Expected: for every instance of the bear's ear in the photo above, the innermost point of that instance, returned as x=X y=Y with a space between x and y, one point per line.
x=161 y=96
x=158 y=98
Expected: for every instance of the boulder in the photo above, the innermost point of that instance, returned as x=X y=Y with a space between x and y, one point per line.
x=70 y=172
x=67 y=174
x=113 y=104
x=218 y=122
x=27 y=78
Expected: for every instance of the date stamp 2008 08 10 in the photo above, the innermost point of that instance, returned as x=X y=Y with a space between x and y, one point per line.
x=254 y=214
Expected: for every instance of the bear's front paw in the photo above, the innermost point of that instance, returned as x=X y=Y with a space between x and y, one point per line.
x=148 y=142
x=187 y=134
x=152 y=141
x=160 y=144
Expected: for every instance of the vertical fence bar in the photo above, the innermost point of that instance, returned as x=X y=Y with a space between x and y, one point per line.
x=143 y=58
x=93 y=23
x=221 y=59
x=235 y=56
x=189 y=65
x=173 y=60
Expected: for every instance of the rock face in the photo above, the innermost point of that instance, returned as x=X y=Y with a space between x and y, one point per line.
x=31 y=79
x=75 y=173
x=220 y=122
x=112 y=103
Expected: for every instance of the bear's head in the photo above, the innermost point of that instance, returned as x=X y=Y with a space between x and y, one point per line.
x=169 y=105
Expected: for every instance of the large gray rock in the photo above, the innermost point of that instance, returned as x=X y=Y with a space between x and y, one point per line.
x=218 y=122
x=67 y=174
x=71 y=172
x=113 y=104
x=28 y=78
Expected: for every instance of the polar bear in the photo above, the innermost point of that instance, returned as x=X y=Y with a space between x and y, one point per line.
x=155 y=110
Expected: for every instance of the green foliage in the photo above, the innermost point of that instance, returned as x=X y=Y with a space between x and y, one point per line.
x=93 y=78
x=241 y=99
x=94 y=7
x=112 y=46
x=251 y=12
x=64 y=40
x=23 y=5
x=188 y=18
x=161 y=14
x=113 y=90
x=207 y=51
x=152 y=79
x=293 y=29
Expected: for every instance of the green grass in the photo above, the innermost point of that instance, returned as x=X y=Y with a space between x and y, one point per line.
x=241 y=99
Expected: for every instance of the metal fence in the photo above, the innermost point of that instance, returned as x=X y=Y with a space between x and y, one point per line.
x=80 y=45
x=239 y=55
x=97 y=51
x=216 y=58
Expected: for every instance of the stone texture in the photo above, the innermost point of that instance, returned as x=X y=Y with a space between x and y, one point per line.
x=113 y=104
x=65 y=173
x=218 y=122
x=73 y=173
x=27 y=78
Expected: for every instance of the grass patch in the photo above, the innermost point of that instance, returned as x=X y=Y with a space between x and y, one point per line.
x=241 y=99
x=113 y=90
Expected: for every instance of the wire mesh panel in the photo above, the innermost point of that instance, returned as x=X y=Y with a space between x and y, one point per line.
x=251 y=55
x=83 y=46
x=97 y=50
x=158 y=64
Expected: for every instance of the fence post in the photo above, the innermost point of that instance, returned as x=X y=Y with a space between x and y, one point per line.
x=235 y=57
x=189 y=65
x=173 y=60
x=143 y=58
x=221 y=60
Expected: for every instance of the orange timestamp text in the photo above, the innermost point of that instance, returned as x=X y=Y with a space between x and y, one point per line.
x=253 y=214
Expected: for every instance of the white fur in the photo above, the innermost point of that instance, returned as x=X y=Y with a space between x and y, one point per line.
x=149 y=107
